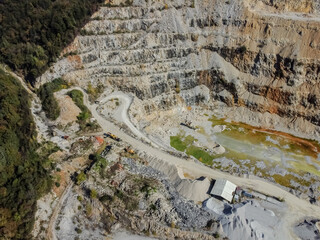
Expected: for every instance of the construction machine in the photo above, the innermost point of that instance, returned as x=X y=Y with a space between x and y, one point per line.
x=112 y=136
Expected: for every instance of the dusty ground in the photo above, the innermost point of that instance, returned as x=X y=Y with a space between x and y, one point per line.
x=171 y=165
x=297 y=208
x=69 y=110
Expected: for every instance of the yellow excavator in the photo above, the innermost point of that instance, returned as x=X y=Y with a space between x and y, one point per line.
x=112 y=136
x=129 y=150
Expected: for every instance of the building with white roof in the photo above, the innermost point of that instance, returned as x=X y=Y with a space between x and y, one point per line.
x=223 y=188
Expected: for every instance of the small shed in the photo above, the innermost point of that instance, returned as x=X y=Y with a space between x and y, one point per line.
x=224 y=189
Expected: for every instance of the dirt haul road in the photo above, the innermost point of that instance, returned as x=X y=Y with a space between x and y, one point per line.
x=297 y=208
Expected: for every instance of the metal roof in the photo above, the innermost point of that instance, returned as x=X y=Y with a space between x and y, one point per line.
x=223 y=188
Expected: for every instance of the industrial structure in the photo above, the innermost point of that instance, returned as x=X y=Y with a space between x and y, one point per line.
x=224 y=189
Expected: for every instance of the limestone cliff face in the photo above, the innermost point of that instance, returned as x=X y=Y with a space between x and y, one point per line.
x=258 y=55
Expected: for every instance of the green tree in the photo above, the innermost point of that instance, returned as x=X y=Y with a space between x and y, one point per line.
x=23 y=177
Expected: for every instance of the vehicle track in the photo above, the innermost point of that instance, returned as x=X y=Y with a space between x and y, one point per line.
x=297 y=208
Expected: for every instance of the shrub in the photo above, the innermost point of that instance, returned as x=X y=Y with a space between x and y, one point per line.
x=173 y=225
x=79 y=198
x=93 y=193
x=81 y=178
x=242 y=49
x=106 y=198
x=88 y=209
x=94 y=92
x=119 y=194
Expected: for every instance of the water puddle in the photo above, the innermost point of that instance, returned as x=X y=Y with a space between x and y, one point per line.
x=243 y=141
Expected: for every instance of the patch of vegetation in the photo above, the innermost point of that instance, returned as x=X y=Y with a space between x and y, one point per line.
x=77 y=97
x=100 y=163
x=182 y=144
x=49 y=104
x=177 y=87
x=148 y=189
x=153 y=207
x=93 y=194
x=242 y=50
x=78 y=230
x=128 y=2
x=94 y=92
x=106 y=198
x=305 y=167
x=119 y=194
x=46 y=149
x=177 y=143
x=200 y=154
x=88 y=209
x=286 y=180
x=81 y=177
x=85 y=115
x=33 y=32
x=131 y=203
x=23 y=177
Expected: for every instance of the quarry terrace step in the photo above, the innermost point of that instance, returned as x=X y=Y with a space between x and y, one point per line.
x=140 y=69
x=129 y=12
x=158 y=44
x=131 y=41
x=108 y=13
x=178 y=75
x=117 y=26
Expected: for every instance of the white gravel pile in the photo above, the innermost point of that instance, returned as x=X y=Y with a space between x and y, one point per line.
x=251 y=221
x=195 y=190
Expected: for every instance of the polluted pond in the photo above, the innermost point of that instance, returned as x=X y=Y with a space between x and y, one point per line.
x=280 y=157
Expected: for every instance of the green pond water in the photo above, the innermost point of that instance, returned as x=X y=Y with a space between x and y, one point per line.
x=247 y=145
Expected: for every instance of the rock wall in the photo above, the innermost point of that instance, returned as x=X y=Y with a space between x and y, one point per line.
x=257 y=55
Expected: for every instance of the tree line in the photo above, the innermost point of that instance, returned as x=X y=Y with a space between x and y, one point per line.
x=34 y=32
x=32 y=35
x=24 y=172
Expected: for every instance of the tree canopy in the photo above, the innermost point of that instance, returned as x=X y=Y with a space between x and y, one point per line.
x=23 y=177
x=33 y=32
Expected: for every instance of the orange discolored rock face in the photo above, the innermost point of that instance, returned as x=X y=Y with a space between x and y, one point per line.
x=76 y=61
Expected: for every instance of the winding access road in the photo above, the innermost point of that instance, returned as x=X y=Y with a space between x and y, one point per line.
x=297 y=208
